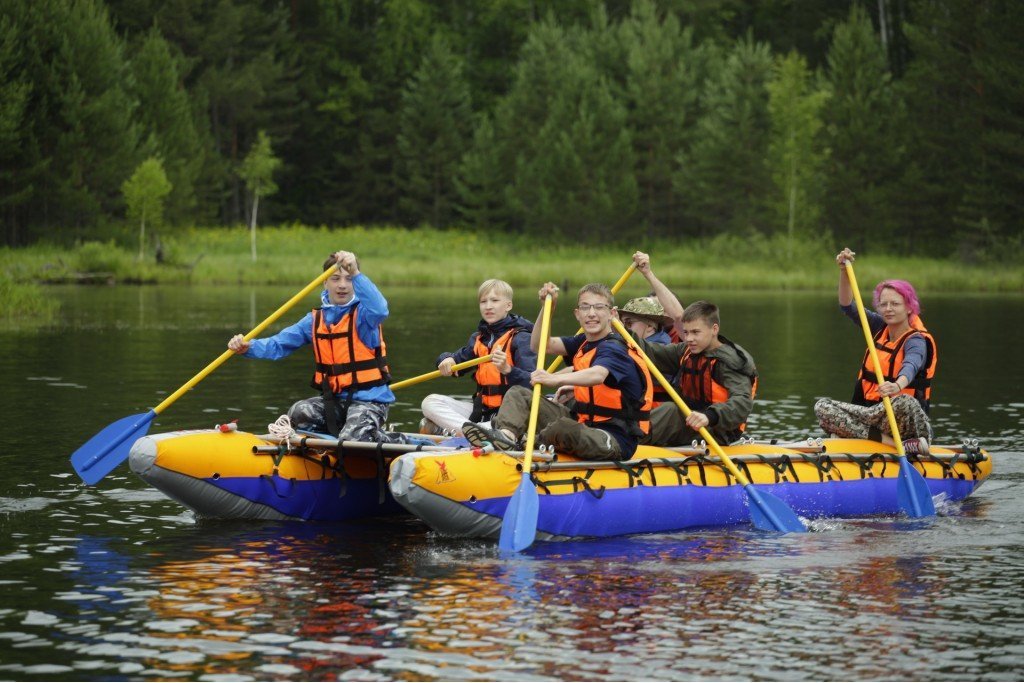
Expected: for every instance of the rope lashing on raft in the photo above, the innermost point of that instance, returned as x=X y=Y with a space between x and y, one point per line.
x=282 y=429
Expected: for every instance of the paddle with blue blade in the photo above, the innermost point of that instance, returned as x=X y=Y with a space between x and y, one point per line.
x=98 y=456
x=912 y=492
x=519 y=526
x=767 y=512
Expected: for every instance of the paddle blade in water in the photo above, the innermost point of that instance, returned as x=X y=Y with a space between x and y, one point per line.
x=912 y=491
x=769 y=513
x=109 y=448
x=519 y=526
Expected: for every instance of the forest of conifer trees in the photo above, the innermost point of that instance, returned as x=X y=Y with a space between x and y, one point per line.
x=898 y=122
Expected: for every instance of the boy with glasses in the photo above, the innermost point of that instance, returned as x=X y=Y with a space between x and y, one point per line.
x=610 y=382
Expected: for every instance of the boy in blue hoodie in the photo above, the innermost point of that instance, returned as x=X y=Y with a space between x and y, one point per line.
x=500 y=334
x=351 y=368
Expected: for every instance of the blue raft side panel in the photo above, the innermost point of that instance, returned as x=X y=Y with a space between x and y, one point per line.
x=647 y=509
x=314 y=500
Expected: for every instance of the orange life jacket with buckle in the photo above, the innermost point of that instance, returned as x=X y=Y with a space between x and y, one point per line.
x=491 y=385
x=343 y=361
x=698 y=386
x=890 y=358
x=603 y=404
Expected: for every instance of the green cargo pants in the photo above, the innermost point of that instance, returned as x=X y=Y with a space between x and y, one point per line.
x=555 y=427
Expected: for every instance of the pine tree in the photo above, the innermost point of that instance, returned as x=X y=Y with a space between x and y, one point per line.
x=434 y=133
x=660 y=93
x=724 y=176
x=80 y=140
x=864 y=122
x=482 y=182
x=14 y=99
x=991 y=212
x=167 y=122
x=400 y=34
x=796 y=153
x=519 y=115
x=943 y=92
x=565 y=137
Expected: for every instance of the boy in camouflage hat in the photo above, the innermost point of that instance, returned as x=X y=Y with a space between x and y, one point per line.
x=645 y=317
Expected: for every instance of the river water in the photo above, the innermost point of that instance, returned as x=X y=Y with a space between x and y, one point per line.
x=116 y=582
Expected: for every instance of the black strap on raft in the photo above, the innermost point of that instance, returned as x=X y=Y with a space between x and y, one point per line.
x=682 y=469
x=272 y=480
x=782 y=467
x=826 y=468
x=577 y=483
x=635 y=472
x=342 y=473
x=867 y=463
x=382 y=476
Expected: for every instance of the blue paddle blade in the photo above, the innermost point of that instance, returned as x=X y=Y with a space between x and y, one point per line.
x=769 y=513
x=109 y=448
x=519 y=526
x=912 y=491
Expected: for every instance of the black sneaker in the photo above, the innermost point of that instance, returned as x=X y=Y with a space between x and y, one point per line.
x=482 y=436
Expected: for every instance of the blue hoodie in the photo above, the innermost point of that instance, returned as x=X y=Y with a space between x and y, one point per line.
x=373 y=310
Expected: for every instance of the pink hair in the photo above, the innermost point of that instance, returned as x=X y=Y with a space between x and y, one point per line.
x=904 y=289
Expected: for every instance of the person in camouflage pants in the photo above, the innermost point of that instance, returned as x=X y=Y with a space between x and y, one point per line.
x=849 y=421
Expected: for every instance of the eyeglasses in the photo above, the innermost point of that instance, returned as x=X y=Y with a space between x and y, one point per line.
x=587 y=308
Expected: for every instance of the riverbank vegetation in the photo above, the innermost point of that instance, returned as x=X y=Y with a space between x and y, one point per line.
x=446 y=258
x=719 y=122
x=24 y=301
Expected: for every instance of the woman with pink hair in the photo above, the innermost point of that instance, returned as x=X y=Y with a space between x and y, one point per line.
x=907 y=356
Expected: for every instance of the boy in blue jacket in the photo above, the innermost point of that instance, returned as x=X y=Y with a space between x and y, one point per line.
x=351 y=368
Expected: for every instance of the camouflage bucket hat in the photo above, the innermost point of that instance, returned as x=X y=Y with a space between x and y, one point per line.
x=646 y=307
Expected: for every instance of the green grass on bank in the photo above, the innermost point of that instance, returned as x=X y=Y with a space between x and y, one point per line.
x=25 y=300
x=426 y=257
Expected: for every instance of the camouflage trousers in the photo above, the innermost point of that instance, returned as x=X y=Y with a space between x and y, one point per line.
x=364 y=421
x=850 y=421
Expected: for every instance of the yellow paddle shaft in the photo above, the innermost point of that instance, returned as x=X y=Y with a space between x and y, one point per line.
x=615 y=290
x=681 y=404
x=437 y=373
x=319 y=280
x=866 y=327
x=531 y=430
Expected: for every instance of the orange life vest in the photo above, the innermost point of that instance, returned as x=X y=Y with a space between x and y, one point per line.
x=602 y=403
x=343 y=361
x=890 y=357
x=698 y=387
x=491 y=385
x=660 y=395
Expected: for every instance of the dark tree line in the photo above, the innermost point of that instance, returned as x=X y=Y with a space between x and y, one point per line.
x=897 y=122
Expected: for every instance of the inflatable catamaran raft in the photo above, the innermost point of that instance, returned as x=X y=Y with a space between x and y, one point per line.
x=238 y=475
x=459 y=494
x=464 y=492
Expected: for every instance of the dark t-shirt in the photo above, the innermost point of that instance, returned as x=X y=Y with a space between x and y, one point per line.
x=622 y=375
